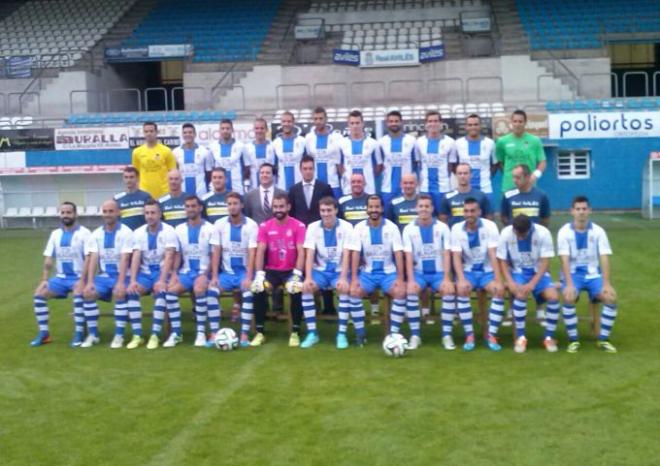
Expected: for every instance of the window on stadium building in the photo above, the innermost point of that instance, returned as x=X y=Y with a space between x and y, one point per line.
x=573 y=164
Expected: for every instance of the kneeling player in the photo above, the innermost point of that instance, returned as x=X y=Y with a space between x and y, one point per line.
x=426 y=245
x=326 y=268
x=524 y=251
x=154 y=246
x=474 y=245
x=584 y=249
x=236 y=245
x=67 y=247
x=378 y=242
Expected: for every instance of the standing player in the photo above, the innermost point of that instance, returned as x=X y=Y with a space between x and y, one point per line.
x=153 y=161
x=583 y=248
x=323 y=144
x=479 y=153
x=377 y=241
x=109 y=248
x=172 y=204
x=397 y=154
x=353 y=206
x=67 y=248
x=279 y=261
x=228 y=154
x=289 y=149
x=435 y=151
x=195 y=162
x=524 y=250
x=474 y=245
x=426 y=246
x=359 y=154
x=326 y=268
x=234 y=247
x=259 y=151
x=215 y=203
x=402 y=210
x=154 y=246
x=131 y=202
x=451 y=207
x=192 y=267
x=525 y=199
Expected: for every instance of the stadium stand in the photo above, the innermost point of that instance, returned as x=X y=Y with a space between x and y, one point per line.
x=219 y=31
x=57 y=34
x=139 y=117
x=644 y=103
x=390 y=35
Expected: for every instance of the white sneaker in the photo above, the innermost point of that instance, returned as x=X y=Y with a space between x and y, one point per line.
x=448 y=343
x=90 y=341
x=540 y=317
x=508 y=320
x=550 y=345
x=172 y=340
x=521 y=345
x=117 y=342
x=200 y=340
x=414 y=342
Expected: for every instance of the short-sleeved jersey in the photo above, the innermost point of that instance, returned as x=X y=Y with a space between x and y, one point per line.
x=173 y=209
x=193 y=164
x=511 y=150
x=377 y=245
x=235 y=241
x=288 y=153
x=480 y=155
x=110 y=245
x=359 y=156
x=215 y=206
x=195 y=246
x=281 y=241
x=325 y=150
x=427 y=244
x=131 y=207
x=401 y=211
x=152 y=246
x=153 y=163
x=523 y=255
x=433 y=159
x=68 y=248
x=256 y=154
x=397 y=154
x=353 y=209
x=328 y=244
x=452 y=204
x=583 y=248
x=230 y=157
x=534 y=203
x=474 y=245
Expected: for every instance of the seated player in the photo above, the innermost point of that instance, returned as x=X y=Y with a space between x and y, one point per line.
x=66 y=248
x=234 y=247
x=109 y=249
x=378 y=242
x=426 y=245
x=524 y=250
x=192 y=267
x=154 y=246
x=474 y=246
x=583 y=248
x=326 y=268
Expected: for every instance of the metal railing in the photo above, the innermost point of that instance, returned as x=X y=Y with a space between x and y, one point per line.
x=628 y=74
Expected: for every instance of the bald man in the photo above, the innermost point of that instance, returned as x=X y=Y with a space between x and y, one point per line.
x=403 y=209
x=172 y=204
x=109 y=249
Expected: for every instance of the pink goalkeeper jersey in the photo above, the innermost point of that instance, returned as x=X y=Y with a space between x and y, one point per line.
x=281 y=241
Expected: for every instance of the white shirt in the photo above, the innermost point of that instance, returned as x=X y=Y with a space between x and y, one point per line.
x=583 y=248
x=427 y=244
x=397 y=156
x=110 y=245
x=152 y=247
x=271 y=193
x=377 y=245
x=434 y=157
x=194 y=167
x=325 y=150
x=479 y=163
x=288 y=153
x=195 y=244
x=474 y=247
x=328 y=245
x=523 y=255
x=235 y=241
x=256 y=155
x=359 y=156
x=69 y=249
x=230 y=157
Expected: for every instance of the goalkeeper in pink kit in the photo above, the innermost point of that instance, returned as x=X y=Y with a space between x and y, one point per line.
x=279 y=261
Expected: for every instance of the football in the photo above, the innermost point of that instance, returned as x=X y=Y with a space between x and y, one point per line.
x=395 y=345
x=225 y=339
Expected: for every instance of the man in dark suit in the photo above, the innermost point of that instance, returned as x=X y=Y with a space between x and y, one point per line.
x=258 y=201
x=305 y=195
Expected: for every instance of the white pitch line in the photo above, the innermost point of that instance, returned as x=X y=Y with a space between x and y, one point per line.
x=174 y=449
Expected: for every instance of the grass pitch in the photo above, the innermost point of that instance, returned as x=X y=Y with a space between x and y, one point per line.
x=276 y=405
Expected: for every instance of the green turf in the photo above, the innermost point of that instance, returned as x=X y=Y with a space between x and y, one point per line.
x=276 y=405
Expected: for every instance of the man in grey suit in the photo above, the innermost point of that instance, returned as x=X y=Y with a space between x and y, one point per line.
x=258 y=201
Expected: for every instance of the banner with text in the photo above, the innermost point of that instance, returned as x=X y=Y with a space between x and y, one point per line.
x=604 y=125
x=27 y=139
x=386 y=58
x=346 y=57
x=91 y=138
